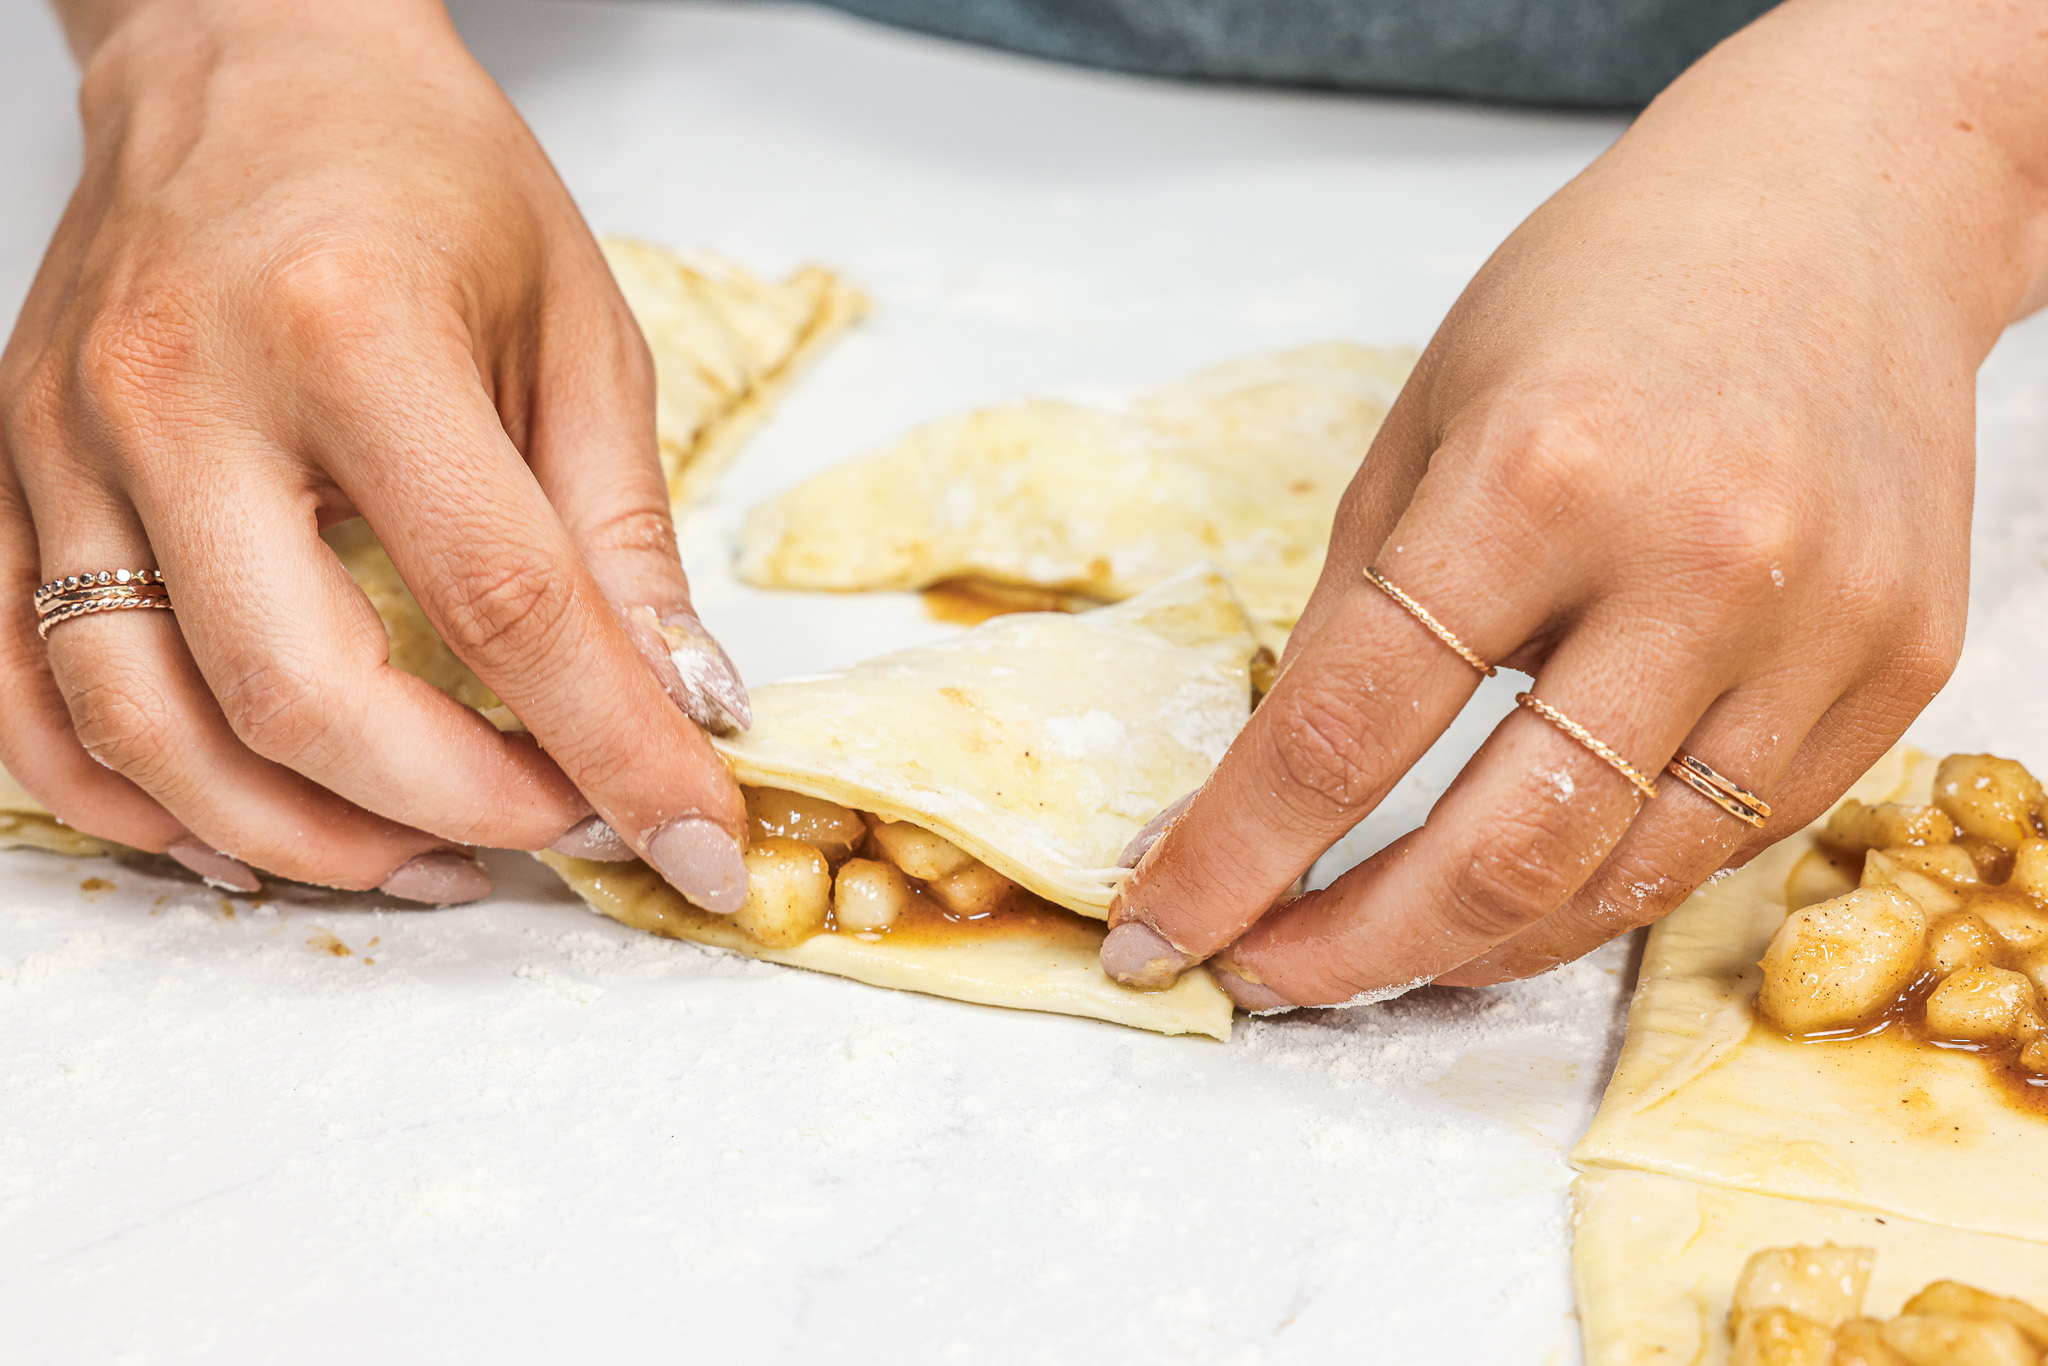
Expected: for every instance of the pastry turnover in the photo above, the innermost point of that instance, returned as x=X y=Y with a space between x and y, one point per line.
x=724 y=344
x=948 y=819
x=1831 y=1046
x=1241 y=465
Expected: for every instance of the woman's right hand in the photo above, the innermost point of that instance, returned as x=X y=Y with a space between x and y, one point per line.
x=317 y=267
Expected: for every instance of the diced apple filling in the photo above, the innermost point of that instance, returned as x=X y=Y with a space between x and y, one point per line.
x=1840 y=964
x=814 y=865
x=870 y=895
x=789 y=892
x=1934 y=916
x=1803 y=1306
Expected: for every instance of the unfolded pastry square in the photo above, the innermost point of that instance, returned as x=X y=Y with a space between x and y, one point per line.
x=1720 y=1133
x=1241 y=465
x=1037 y=746
x=1657 y=1258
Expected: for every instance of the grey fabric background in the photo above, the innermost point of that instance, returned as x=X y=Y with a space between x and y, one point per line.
x=1602 y=53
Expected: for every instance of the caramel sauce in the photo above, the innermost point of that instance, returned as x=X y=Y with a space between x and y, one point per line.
x=1265 y=672
x=926 y=922
x=324 y=942
x=1905 y=1019
x=970 y=602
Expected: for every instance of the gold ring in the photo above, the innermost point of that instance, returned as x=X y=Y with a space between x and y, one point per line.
x=109 y=590
x=1737 y=801
x=1422 y=614
x=1585 y=737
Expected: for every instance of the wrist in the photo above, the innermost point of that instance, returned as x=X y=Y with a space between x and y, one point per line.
x=1913 y=138
x=126 y=46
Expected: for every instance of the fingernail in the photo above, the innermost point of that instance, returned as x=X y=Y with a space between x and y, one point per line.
x=593 y=839
x=701 y=861
x=1149 y=836
x=694 y=669
x=714 y=696
x=1254 y=997
x=214 y=868
x=439 y=877
x=1136 y=955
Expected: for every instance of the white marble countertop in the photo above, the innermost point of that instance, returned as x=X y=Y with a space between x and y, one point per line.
x=319 y=1129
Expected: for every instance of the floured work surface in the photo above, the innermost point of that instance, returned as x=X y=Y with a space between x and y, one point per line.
x=1720 y=1135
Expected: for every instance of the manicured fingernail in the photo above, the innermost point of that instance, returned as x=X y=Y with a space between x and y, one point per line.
x=713 y=695
x=593 y=839
x=1136 y=955
x=1255 y=997
x=214 y=868
x=439 y=877
x=1149 y=836
x=693 y=668
x=702 y=862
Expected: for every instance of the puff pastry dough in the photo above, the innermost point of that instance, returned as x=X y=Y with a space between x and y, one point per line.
x=1718 y=1136
x=1040 y=743
x=1656 y=1259
x=724 y=344
x=1241 y=465
x=26 y=824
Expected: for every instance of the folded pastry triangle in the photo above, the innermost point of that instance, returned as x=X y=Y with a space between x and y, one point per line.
x=724 y=344
x=1040 y=743
x=1241 y=465
x=1037 y=744
x=1719 y=1136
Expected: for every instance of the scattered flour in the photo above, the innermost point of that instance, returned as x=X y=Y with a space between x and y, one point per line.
x=1090 y=735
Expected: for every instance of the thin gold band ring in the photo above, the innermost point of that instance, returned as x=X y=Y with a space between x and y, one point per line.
x=61 y=600
x=1586 y=738
x=1423 y=615
x=104 y=579
x=1737 y=801
x=109 y=590
x=44 y=625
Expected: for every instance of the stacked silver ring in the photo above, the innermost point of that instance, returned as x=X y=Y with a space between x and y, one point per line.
x=109 y=590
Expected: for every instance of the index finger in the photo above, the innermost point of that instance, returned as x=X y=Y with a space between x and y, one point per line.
x=490 y=562
x=1355 y=707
